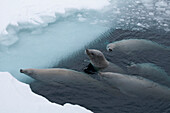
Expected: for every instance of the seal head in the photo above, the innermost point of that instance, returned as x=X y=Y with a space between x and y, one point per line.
x=110 y=47
x=97 y=58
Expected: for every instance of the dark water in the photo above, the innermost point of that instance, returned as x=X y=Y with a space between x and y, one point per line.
x=100 y=101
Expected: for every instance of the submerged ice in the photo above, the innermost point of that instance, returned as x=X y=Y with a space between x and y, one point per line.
x=47 y=46
x=44 y=33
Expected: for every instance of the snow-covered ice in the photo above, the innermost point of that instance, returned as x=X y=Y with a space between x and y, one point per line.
x=17 y=97
x=14 y=11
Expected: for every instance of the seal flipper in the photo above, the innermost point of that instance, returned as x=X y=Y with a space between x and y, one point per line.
x=89 y=69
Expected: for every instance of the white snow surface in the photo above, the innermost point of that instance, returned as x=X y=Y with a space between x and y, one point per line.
x=17 y=97
x=14 y=11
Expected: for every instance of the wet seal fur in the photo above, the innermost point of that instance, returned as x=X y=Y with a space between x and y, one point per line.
x=135 y=86
x=149 y=71
x=100 y=63
x=129 y=45
x=61 y=76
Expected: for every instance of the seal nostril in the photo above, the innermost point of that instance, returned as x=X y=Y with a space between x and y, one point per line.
x=110 y=49
x=87 y=50
x=21 y=71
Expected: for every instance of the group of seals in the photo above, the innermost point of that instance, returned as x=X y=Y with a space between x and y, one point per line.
x=109 y=73
x=143 y=83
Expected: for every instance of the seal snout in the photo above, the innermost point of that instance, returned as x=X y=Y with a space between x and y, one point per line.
x=109 y=49
x=87 y=51
x=21 y=71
